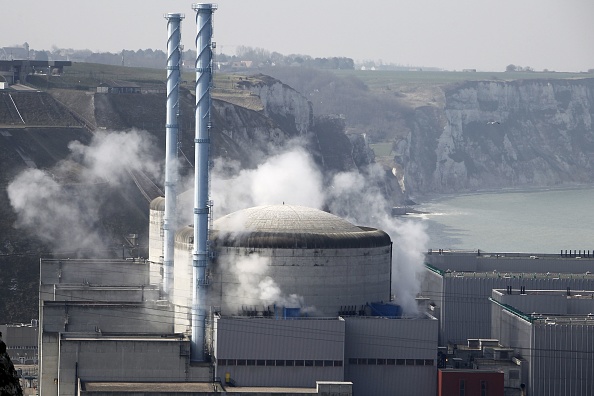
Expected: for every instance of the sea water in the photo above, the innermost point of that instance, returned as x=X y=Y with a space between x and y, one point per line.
x=543 y=221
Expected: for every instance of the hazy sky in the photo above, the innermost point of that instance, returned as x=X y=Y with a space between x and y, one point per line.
x=451 y=34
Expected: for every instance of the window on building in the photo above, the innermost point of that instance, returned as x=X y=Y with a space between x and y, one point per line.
x=319 y=363
x=410 y=362
x=241 y=362
x=428 y=362
x=223 y=362
x=328 y=363
x=352 y=360
x=381 y=361
x=299 y=363
x=280 y=362
x=270 y=363
x=419 y=362
x=400 y=362
x=462 y=388
x=309 y=363
x=261 y=362
x=372 y=361
x=362 y=361
x=391 y=362
x=251 y=362
x=289 y=362
x=338 y=363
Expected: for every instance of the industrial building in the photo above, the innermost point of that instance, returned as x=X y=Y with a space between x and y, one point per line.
x=21 y=341
x=553 y=331
x=470 y=382
x=458 y=285
x=104 y=321
x=276 y=298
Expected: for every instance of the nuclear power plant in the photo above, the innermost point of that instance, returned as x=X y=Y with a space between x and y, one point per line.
x=275 y=298
x=287 y=299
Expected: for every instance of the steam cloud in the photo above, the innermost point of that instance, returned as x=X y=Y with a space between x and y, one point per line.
x=65 y=215
x=357 y=197
x=292 y=177
x=252 y=286
x=61 y=206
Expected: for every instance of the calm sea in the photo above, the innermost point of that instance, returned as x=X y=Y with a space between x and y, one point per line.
x=512 y=221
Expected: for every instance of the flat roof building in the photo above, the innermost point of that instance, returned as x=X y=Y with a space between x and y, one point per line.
x=459 y=284
x=553 y=330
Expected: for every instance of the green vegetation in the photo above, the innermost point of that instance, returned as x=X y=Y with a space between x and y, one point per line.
x=387 y=79
x=87 y=76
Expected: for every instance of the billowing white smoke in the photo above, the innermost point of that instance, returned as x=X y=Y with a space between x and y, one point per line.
x=358 y=198
x=61 y=206
x=252 y=286
x=292 y=177
x=64 y=218
x=111 y=155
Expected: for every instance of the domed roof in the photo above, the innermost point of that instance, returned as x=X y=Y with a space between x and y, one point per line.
x=291 y=226
x=283 y=218
x=158 y=204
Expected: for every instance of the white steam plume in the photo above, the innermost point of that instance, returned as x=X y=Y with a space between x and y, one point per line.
x=293 y=178
x=61 y=206
x=358 y=198
x=110 y=155
x=290 y=177
x=250 y=284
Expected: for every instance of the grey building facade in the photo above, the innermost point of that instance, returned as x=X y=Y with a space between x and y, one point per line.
x=459 y=284
x=379 y=356
x=553 y=330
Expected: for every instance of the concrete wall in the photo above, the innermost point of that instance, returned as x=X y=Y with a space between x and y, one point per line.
x=391 y=356
x=48 y=364
x=89 y=293
x=125 y=360
x=156 y=236
x=259 y=350
x=182 y=286
x=93 y=298
x=94 y=273
x=107 y=318
x=326 y=279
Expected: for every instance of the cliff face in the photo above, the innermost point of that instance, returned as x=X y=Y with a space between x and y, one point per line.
x=529 y=133
x=289 y=109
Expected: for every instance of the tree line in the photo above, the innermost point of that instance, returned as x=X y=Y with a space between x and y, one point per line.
x=150 y=58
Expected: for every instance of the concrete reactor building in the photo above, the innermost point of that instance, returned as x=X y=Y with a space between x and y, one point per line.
x=276 y=298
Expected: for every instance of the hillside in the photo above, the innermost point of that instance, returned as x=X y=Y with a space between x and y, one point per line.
x=431 y=132
x=67 y=211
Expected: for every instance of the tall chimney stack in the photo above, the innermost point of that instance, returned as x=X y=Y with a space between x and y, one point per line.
x=200 y=254
x=171 y=127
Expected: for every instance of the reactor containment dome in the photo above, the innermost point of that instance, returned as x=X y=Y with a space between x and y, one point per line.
x=297 y=255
